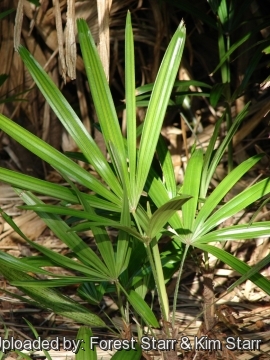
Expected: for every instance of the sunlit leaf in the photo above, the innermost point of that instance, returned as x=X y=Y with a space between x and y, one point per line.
x=73 y=241
x=142 y=309
x=191 y=187
x=165 y=159
x=103 y=101
x=54 y=157
x=53 y=190
x=236 y=204
x=236 y=232
x=222 y=189
x=157 y=106
x=70 y=121
x=130 y=106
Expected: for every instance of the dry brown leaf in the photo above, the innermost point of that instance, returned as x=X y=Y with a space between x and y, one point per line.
x=29 y=223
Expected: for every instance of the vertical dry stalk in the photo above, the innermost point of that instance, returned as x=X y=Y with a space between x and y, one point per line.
x=60 y=37
x=71 y=53
x=18 y=24
x=103 y=8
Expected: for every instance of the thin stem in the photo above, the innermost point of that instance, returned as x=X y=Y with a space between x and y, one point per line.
x=160 y=279
x=157 y=271
x=120 y=303
x=178 y=284
x=162 y=301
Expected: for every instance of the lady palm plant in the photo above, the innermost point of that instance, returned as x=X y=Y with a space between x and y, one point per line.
x=113 y=201
x=128 y=196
